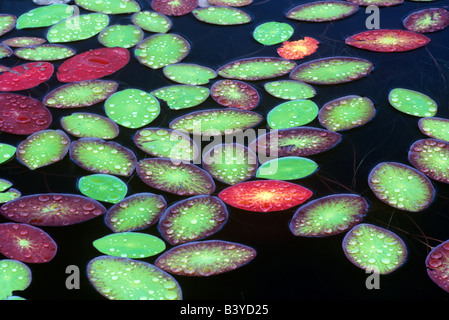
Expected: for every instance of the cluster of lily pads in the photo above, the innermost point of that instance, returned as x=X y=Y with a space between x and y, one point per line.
x=254 y=182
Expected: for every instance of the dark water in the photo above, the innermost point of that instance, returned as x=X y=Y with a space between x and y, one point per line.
x=286 y=267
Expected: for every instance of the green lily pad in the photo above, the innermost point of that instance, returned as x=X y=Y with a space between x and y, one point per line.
x=182 y=96
x=291 y=114
x=7 y=23
x=14 y=276
x=322 y=11
x=270 y=33
x=189 y=73
x=44 y=16
x=221 y=15
x=103 y=187
x=431 y=157
x=110 y=6
x=89 y=125
x=290 y=89
x=152 y=21
x=44 y=52
x=435 y=127
x=5 y=51
x=230 y=3
x=287 y=168
x=7 y=152
x=124 y=36
x=20 y=42
x=412 y=102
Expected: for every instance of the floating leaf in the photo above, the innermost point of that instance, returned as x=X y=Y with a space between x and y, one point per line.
x=20 y=42
x=222 y=15
x=431 y=157
x=80 y=94
x=230 y=3
x=333 y=70
x=5 y=51
x=26 y=243
x=110 y=6
x=6 y=192
x=78 y=27
x=93 y=64
x=216 y=121
x=123 y=36
x=401 y=186
x=230 y=163
x=132 y=108
x=15 y=276
x=44 y=16
x=377 y=3
x=174 y=7
x=174 y=176
x=292 y=114
x=135 y=212
x=298 y=49
x=412 y=102
x=437 y=265
x=290 y=89
x=103 y=187
x=189 y=73
x=44 y=52
x=374 y=249
x=346 y=113
x=287 y=168
x=166 y=143
x=152 y=21
x=89 y=125
x=7 y=23
x=253 y=69
x=193 y=219
x=235 y=94
x=43 y=148
x=127 y=279
x=52 y=209
x=270 y=33
x=265 y=195
x=160 y=50
x=48 y=2
x=133 y=245
x=300 y=142
x=182 y=96
x=328 y=215
x=22 y=115
x=387 y=40
x=322 y=11
x=205 y=258
x=100 y=156
x=427 y=20
x=7 y=152
x=25 y=76
x=435 y=127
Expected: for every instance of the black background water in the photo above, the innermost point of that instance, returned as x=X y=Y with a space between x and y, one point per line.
x=286 y=267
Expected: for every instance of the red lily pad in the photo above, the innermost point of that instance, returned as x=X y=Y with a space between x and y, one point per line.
x=265 y=195
x=386 y=40
x=93 y=64
x=427 y=20
x=235 y=94
x=52 y=209
x=22 y=115
x=174 y=7
x=437 y=263
x=26 y=243
x=26 y=76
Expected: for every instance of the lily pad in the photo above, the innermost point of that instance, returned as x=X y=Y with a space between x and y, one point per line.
x=328 y=215
x=435 y=127
x=265 y=195
x=132 y=108
x=205 y=258
x=138 y=211
x=287 y=168
x=7 y=152
x=377 y=3
x=26 y=76
x=230 y=3
x=333 y=70
x=189 y=73
x=401 y=186
x=152 y=21
x=298 y=49
x=52 y=209
x=133 y=245
x=166 y=143
x=230 y=163
x=182 y=96
x=174 y=7
x=78 y=27
x=252 y=69
x=89 y=125
x=346 y=113
x=290 y=89
x=45 y=52
x=80 y=94
x=437 y=265
x=5 y=51
x=322 y=11
x=15 y=276
x=427 y=20
x=222 y=15
x=123 y=36
x=431 y=157
x=103 y=187
x=374 y=249
x=291 y=114
x=100 y=156
x=192 y=219
x=160 y=50
x=7 y=23
x=412 y=102
x=136 y=281
x=24 y=41
x=43 y=148
x=216 y=121
x=110 y=6
x=177 y=177
x=270 y=33
x=44 y=16
x=386 y=40
x=235 y=94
